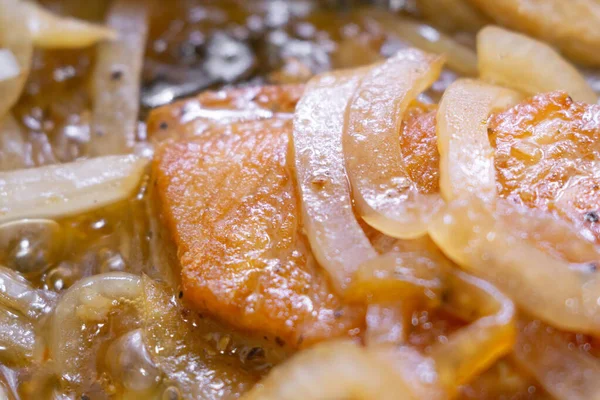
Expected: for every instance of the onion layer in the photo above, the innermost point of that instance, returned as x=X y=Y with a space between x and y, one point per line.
x=14 y=36
x=336 y=238
x=88 y=301
x=9 y=66
x=466 y=155
x=486 y=244
x=68 y=189
x=116 y=80
x=530 y=66
x=385 y=196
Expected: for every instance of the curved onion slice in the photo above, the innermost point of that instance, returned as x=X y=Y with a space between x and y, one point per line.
x=384 y=194
x=452 y=15
x=459 y=58
x=15 y=152
x=9 y=66
x=475 y=347
x=88 y=301
x=528 y=65
x=565 y=371
x=333 y=370
x=67 y=189
x=466 y=155
x=486 y=244
x=116 y=80
x=14 y=36
x=336 y=238
x=387 y=323
x=17 y=293
x=56 y=32
x=570 y=25
x=19 y=344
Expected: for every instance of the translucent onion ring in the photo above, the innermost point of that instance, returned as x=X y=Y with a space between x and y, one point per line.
x=336 y=238
x=466 y=155
x=384 y=195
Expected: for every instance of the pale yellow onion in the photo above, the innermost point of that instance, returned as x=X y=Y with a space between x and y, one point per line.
x=491 y=335
x=459 y=58
x=14 y=36
x=331 y=370
x=57 y=32
x=488 y=246
x=387 y=323
x=336 y=238
x=466 y=155
x=19 y=295
x=89 y=301
x=564 y=370
x=522 y=63
x=9 y=66
x=571 y=25
x=19 y=343
x=68 y=189
x=116 y=79
x=383 y=192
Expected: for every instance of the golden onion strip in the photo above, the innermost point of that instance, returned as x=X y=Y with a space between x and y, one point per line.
x=466 y=155
x=116 y=80
x=472 y=349
x=383 y=192
x=519 y=62
x=488 y=246
x=565 y=371
x=336 y=238
x=52 y=31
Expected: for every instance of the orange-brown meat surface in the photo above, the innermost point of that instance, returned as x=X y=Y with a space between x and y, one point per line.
x=229 y=200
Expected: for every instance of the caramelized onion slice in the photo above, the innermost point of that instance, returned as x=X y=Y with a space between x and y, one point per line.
x=68 y=189
x=88 y=302
x=336 y=238
x=528 y=65
x=477 y=346
x=333 y=370
x=14 y=36
x=384 y=194
x=396 y=276
x=565 y=371
x=116 y=79
x=485 y=244
x=466 y=155
x=56 y=32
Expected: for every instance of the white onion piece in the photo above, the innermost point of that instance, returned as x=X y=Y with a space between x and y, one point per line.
x=528 y=65
x=332 y=370
x=19 y=344
x=565 y=371
x=116 y=80
x=14 y=36
x=68 y=189
x=459 y=58
x=88 y=301
x=488 y=246
x=336 y=238
x=9 y=66
x=17 y=293
x=383 y=192
x=466 y=155
x=56 y=32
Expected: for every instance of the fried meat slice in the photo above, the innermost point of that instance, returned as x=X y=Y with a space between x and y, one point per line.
x=229 y=200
